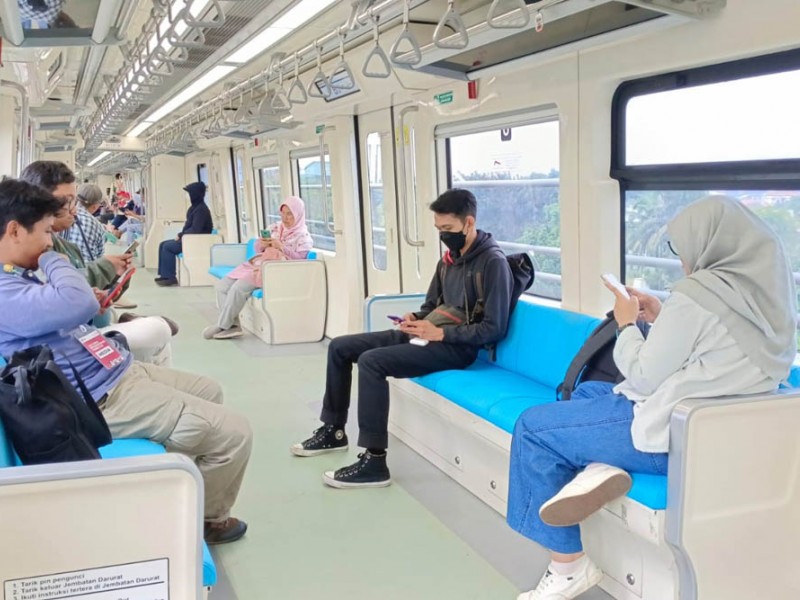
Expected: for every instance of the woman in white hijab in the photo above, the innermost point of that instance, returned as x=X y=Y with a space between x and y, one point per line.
x=728 y=328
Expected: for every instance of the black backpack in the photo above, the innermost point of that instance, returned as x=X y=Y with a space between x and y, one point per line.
x=522 y=276
x=44 y=416
x=595 y=360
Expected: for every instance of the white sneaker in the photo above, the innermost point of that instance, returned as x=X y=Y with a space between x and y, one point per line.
x=596 y=485
x=229 y=334
x=565 y=587
x=210 y=332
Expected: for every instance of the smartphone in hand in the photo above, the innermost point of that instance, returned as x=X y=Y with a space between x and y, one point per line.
x=395 y=319
x=612 y=280
x=115 y=288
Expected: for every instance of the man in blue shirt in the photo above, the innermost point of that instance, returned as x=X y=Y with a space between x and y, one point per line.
x=183 y=411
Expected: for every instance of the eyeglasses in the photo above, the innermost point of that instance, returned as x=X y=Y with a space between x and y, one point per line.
x=70 y=202
x=671 y=249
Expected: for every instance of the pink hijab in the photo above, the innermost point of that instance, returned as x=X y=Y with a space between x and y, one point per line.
x=298 y=208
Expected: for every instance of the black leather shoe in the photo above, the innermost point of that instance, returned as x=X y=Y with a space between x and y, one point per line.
x=167 y=282
x=224 y=532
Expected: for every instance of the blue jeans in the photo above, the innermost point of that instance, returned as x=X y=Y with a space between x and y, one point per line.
x=168 y=252
x=553 y=442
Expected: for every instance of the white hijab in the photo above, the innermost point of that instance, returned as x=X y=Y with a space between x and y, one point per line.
x=739 y=271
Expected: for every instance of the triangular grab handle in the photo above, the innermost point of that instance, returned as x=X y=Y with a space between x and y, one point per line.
x=323 y=90
x=451 y=19
x=280 y=101
x=297 y=93
x=516 y=18
x=214 y=23
x=348 y=83
x=409 y=56
x=377 y=54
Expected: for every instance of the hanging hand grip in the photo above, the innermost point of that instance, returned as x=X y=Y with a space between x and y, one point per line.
x=451 y=19
x=320 y=86
x=380 y=55
x=215 y=23
x=297 y=93
x=411 y=56
x=516 y=18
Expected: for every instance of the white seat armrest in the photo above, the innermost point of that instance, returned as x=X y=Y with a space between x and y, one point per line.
x=733 y=510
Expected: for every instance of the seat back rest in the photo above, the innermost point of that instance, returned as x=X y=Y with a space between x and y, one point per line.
x=542 y=340
x=251 y=248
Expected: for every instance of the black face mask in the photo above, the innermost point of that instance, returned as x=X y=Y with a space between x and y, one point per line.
x=454 y=240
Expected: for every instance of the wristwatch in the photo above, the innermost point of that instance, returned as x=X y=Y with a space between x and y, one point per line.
x=624 y=327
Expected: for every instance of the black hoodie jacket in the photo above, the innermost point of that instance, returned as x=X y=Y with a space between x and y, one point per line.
x=454 y=284
x=198 y=217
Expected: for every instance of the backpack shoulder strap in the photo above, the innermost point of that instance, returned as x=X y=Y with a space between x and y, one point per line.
x=601 y=336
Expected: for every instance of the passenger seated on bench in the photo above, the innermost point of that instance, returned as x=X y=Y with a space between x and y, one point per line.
x=87 y=233
x=383 y=354
x=727 y=328
x=149 y=338
x=289 y=239
x=181 y=410
x=198 y=220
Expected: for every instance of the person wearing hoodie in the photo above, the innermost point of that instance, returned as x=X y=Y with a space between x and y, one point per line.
x=446 y=333
x=198 y=220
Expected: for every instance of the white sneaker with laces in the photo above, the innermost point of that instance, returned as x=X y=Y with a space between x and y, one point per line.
x=596 y=485
x=553 y=586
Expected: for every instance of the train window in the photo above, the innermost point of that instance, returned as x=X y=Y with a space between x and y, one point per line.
x=375 y=173
x=309 y=186
x=727 y=129
x=514 y=173
x=271 y=196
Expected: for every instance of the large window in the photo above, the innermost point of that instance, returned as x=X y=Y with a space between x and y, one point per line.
x=319 y=203
x=271 y=197
x=514 y=174
x=731 y=129
x=376 y=207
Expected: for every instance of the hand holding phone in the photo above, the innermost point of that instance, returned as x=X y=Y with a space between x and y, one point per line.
x=395 y=319
x=612 y=281
x=115 y=288
x=132 y=248
x=266 y=234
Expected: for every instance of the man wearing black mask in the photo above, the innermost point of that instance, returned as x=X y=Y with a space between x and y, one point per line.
x=446 y=333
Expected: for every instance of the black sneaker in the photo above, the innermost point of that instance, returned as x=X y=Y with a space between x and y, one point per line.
x=327 y=438
x=369 y=471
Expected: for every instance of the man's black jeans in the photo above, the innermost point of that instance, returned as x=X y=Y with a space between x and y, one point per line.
x=380 y=355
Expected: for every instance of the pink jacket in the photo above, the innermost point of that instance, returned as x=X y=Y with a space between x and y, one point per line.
x=295 y=247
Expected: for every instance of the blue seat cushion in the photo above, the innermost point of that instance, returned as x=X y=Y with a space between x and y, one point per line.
x=650 y=490
x=220 y=272
x=251 y=248
x=259 y=293
x=131 y=447
x=209 y=568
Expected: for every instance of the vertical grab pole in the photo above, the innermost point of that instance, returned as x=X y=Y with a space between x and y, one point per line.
x=404 y=180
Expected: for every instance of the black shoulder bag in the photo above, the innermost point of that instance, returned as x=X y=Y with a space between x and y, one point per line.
x=44 y=416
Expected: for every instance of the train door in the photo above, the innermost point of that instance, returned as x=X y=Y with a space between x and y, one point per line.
x=379 y=214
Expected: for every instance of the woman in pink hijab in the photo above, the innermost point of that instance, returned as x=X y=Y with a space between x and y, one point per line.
x=289 y=240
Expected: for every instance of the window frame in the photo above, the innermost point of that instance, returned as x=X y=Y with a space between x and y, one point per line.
x=260 y=163
x=443 y=133
x=746 y=174
x=294 y=161
x=768 y=174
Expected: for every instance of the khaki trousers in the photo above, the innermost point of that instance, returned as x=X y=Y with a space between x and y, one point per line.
x=184 y=412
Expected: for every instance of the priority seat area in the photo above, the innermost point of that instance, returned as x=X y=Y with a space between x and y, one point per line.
x=291 y=305
x=462 y=421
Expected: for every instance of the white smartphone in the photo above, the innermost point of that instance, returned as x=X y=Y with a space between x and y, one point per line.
x=612 y=280
x=130 y=249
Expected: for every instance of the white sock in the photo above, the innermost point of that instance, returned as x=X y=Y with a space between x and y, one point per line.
x=568 y=568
